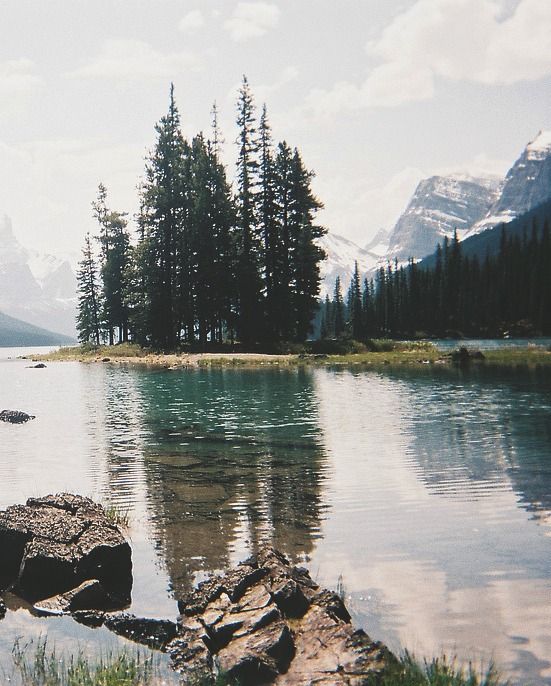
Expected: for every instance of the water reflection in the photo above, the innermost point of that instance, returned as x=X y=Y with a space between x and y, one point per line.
x=232 y=460
x=428 y=490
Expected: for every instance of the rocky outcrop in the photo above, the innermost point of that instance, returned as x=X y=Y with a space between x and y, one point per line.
x=269 y=622
x=53 y=545
x=15 y=416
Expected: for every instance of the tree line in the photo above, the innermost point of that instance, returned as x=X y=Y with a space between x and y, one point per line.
x=505 y=292
x=210 y=263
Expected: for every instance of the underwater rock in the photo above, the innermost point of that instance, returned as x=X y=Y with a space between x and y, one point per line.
x=15 y=416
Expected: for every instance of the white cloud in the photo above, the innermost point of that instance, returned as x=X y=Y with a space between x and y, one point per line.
x=133 y=59
x=192 y=21
x=461 y=40
x=17 y=77
x=251 y=20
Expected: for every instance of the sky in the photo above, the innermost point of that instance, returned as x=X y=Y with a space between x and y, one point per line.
x=377 y=94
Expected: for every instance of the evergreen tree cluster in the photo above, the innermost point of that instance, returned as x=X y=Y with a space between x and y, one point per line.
x=508 y=291
x=209 y=264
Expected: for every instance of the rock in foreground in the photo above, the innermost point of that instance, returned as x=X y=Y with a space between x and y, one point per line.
x=54 y=544
x=15 y=416
x=267 y=622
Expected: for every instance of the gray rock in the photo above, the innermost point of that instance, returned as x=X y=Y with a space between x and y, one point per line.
x=155 y=633
x=90 y=595
x=53 y=544
x=15 y=416
x=268 y=622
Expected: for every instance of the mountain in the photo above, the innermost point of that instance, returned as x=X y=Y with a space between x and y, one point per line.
x=39 y=289
x=341 y=256
x=527 y=185
x=440 y=205
x=14 y=332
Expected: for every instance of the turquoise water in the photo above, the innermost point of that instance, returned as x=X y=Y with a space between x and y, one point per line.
x=426 y=493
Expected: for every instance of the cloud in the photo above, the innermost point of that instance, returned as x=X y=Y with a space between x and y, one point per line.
x=133 y=59
x=192 y=21
x=17 y=77
x=251 y=20
x=458 y=40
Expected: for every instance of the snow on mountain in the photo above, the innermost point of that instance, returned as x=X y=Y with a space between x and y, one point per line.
x=378 y=245
x=527 y=185
x=342 y=254
x=439 y=206
x=38 y=289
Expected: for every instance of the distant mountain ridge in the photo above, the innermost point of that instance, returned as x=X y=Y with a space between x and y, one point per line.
x=439 y=206
x=527 y=185
x=35 y=288
x=15 y=333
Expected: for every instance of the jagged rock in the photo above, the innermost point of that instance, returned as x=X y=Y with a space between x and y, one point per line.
x=155 y=633
x=53 y=544
x=90 y=595
x=268 y=622
x=15 y=416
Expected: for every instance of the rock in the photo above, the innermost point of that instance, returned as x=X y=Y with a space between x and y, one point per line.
x=15 y=416
x=268 y=622
x=90 y=595
x=53 y=544
x=2 y=609
x=155 y=633
x=38 y=365
x=463 y=356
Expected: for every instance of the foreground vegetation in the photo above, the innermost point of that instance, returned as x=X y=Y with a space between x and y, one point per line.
x=38 y=665
x=319 y=353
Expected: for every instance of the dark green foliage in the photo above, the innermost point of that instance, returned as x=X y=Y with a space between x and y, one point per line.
x=454 y=294
x=442 y=671
x=88 y=316
x=210 y=267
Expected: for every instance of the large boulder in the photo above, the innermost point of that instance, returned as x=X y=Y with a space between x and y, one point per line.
x=53 y=544
x=268 y=622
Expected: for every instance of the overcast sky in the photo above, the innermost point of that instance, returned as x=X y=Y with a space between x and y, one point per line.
x=376 y=93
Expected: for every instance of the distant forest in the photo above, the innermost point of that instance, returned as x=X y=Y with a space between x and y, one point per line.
x=455 y=292
x=209 y=265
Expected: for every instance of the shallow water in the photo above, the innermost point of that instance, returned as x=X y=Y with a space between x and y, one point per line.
x=426 y=493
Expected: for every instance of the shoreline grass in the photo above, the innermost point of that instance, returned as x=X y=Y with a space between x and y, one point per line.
x=36 y=664
x=382 y=354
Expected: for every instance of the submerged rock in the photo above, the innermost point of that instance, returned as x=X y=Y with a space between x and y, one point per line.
x=15 y=416
x=53 y=544
x=155 y=633
x=268 y=622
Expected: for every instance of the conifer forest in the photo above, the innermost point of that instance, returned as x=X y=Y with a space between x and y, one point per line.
x=211 y=262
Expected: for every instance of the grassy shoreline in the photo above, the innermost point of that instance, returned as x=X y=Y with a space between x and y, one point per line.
x=393 y=355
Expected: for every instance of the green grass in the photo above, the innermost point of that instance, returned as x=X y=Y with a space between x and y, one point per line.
x=441 y=671
x=117 y=515
x=35 y=664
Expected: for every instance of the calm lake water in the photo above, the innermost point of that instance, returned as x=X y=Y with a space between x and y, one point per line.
x=426 y=493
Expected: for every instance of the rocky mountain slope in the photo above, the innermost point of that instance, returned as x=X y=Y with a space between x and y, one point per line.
x=39 y=289
x=527 y=185
x=440 y=205
x=16 y=333
x=342 y=253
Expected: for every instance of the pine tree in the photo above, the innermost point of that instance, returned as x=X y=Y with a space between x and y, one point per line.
x=338 y=310
x=249 y=279
x=306 y=254
x=165 y=259
x=115 y=263
x=355 y=305
x=88 y=316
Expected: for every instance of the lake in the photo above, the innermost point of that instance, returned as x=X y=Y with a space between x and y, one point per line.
x=424 y=493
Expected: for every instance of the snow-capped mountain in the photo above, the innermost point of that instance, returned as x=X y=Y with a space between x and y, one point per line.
x=527 y=185
x=439 y=206
x=343 y=253
x=38 y=289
